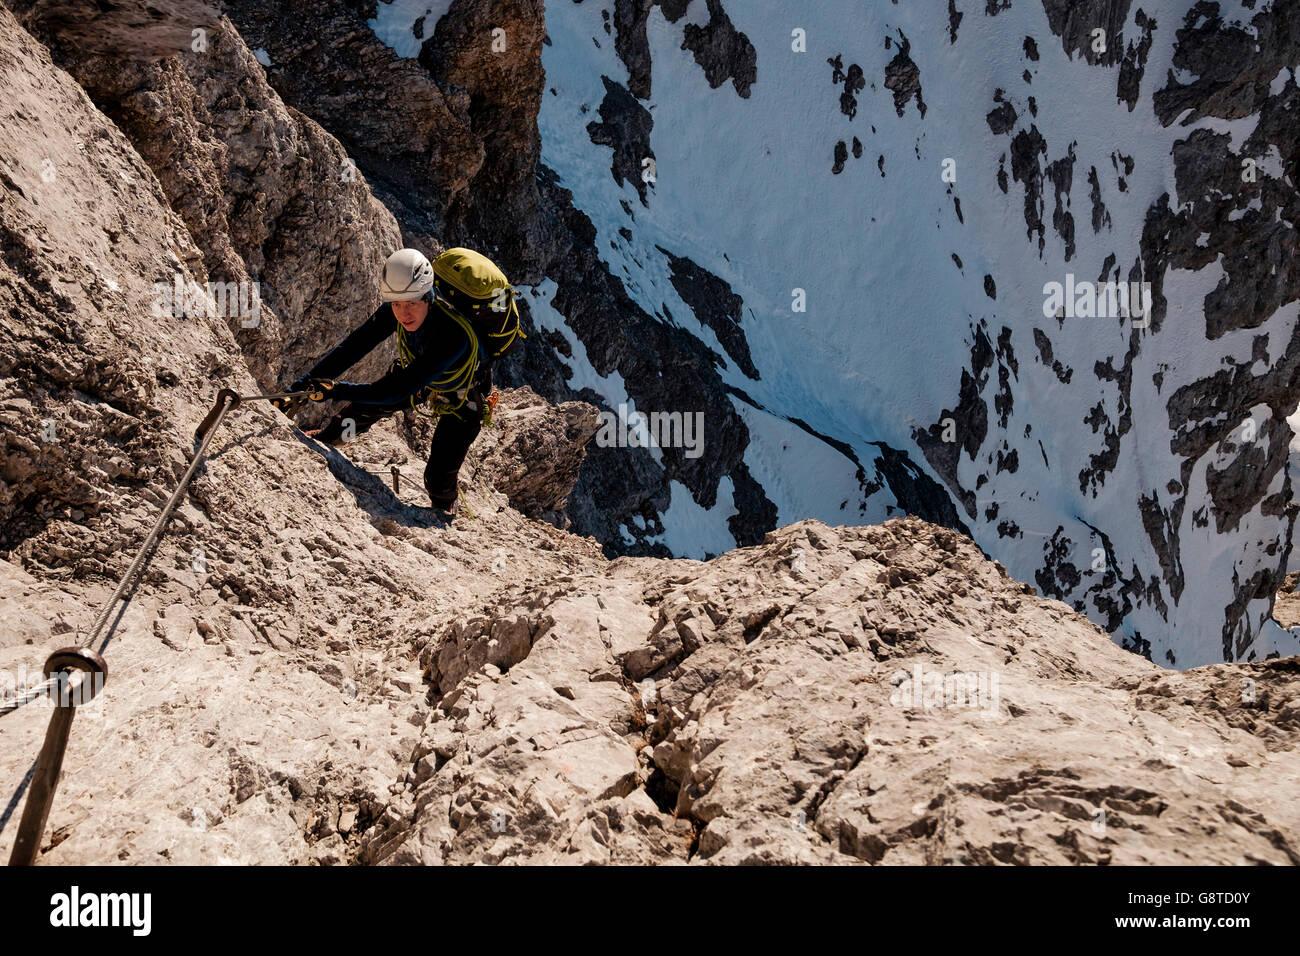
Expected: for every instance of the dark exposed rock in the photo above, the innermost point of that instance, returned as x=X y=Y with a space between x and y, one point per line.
x=161 y=28
x=1112 y=593
x=663 y=368
x=1061 y=174
x=903 y=78
x=854 y=82
x=1004 y=399
x=1243 y=483
x=968 y=423
x=1075 y=20
x=837 y=68
x=722 y=51
x=1204 y=415
x=631 y=44
x=1135 y=61
x=915 y=491
x=754 y=510
x=398 y=125
x=673 y=10
x=1057 y=577
x=954 y=20
x=1063 y=374
x=1161 y=526
x=625 y=127
x=1100 y=217
x=630 y=40
x=1102 y=463
x=1117 y=160
x=1233 y=66
x=714 y=304
x=501 y=93
x=1260 y=273
x=1002 y=118
x=1026 y=147
x=1238 y=630
x=849 y=102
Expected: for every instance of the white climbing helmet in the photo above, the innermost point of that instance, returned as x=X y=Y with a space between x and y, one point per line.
x=407 y=275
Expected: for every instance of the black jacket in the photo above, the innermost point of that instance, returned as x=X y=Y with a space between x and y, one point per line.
x=439 y=346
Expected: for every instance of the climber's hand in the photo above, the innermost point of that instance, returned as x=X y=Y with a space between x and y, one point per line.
x=318 y=389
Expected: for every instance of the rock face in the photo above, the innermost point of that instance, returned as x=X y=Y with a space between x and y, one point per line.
x=272 y=200
x=412 y=137
x=535 y=454
x=447 y=148
x=315 y=668
x=152 y=30
x=880 y=695
x=276 y=550
x=450 y=139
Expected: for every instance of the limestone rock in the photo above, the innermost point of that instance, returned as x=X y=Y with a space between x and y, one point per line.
x=315 y=669
x=271 y=199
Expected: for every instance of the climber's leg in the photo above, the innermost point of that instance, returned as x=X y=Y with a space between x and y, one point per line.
x=451 y=441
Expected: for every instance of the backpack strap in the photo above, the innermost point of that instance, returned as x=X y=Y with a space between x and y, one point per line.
x=455 y=381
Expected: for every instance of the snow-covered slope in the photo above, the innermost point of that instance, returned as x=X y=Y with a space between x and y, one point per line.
x=889 y=189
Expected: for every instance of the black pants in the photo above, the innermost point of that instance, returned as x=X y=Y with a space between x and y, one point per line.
x=452 y=436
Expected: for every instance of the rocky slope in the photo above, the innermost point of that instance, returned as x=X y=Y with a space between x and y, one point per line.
x=779 y=705
x=315 y=670
x=267 y=196
x=448 y=137
x=1110 y=461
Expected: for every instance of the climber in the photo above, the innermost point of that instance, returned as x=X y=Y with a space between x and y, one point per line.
x=452 y=317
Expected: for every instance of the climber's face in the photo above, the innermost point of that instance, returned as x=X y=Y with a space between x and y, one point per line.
x=411 y=314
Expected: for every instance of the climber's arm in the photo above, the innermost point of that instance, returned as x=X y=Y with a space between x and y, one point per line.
x=354 y=348
x=445 y=369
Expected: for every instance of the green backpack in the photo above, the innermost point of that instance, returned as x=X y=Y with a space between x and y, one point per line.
x=470 y=285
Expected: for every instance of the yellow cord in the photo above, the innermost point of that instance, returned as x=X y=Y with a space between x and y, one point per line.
x=456 y=380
